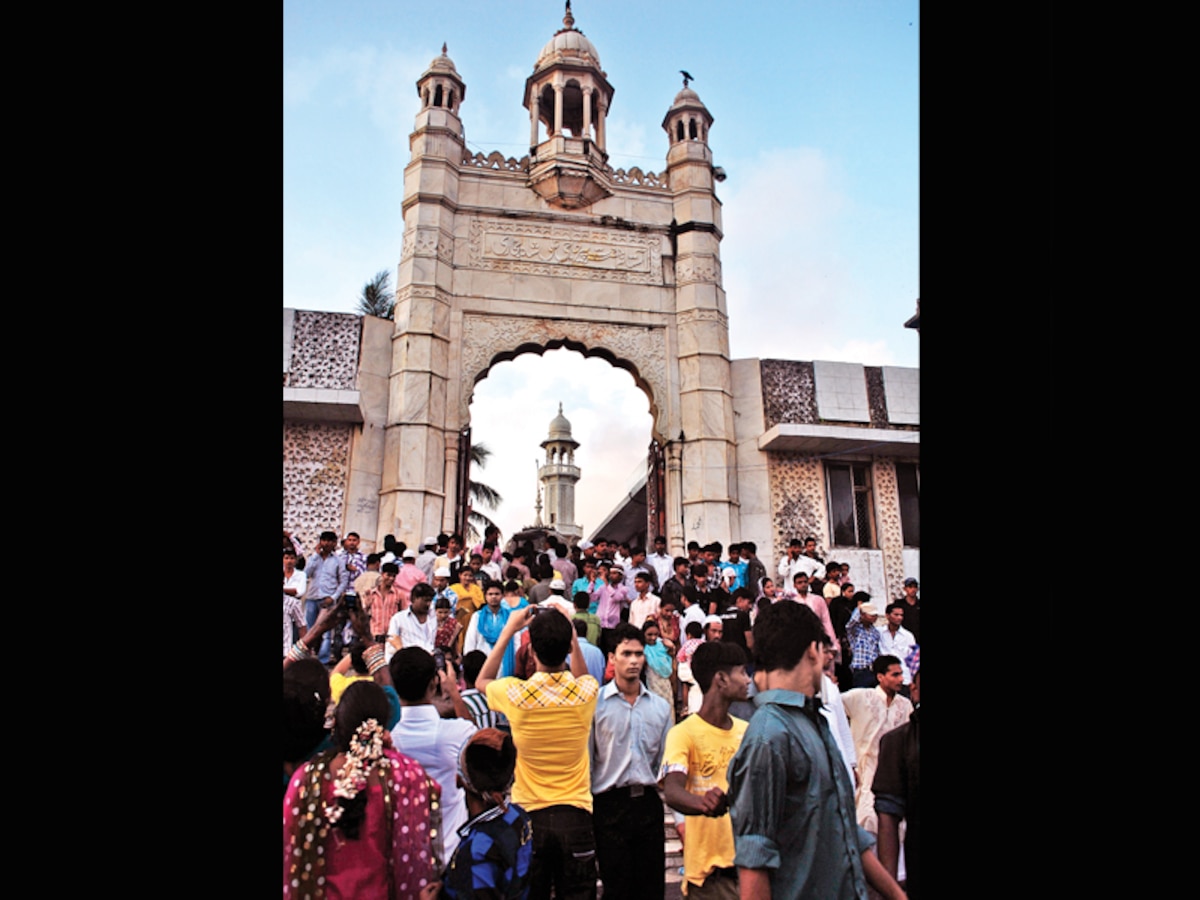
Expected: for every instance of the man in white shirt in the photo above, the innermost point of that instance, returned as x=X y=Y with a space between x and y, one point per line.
x=664 y=565
x=873 y=712
x=424 y=735
x=794 y=561
x=416 y=626
x=645 y=604
x=896 y=640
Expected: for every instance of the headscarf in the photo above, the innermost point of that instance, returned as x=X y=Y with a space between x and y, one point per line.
x=490 y=627
x=658 y=658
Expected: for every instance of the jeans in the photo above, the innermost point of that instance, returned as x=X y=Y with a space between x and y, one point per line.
x=564 y=854
x=630 y=843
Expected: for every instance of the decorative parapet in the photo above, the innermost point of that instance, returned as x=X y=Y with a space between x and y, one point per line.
x=325 y=348
x=635 y=177
x=790 y=396
x=495 y=160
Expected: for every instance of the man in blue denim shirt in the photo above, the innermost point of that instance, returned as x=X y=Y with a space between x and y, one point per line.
x=328 y=580
x=794 y=826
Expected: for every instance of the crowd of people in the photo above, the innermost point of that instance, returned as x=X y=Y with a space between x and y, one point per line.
x=492 y=722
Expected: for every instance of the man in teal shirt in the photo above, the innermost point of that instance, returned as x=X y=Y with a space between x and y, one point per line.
x=794 y=827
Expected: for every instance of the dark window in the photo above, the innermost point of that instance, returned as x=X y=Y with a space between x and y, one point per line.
x=849 y=492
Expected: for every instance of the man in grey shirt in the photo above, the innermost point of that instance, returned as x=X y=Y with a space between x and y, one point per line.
x=629 y=733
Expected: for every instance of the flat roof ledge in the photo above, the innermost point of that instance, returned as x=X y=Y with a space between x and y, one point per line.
x=826 y=439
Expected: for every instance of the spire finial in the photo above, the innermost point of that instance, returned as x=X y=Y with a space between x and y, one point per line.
x=443 y=48
x=568 y=19
x=560 y=407
x=686 y=77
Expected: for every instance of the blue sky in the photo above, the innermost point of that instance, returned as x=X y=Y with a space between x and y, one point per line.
x=816 y=121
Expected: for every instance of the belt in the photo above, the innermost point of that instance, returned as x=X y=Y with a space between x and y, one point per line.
x=630 y=790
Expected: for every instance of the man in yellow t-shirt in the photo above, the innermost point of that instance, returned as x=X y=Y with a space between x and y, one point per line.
x=694 y=766
x=551 y=716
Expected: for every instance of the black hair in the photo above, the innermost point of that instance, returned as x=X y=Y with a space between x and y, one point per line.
x=693 y=629
x=328 y=536
x=305 y=698
x=582 y=600
x=782 y=635
x=750 y=545
x=895 y=604
x=580 y=627
x=424 y=589
x=390 y=568
x=713 y=657
x=442 y=603
x=361 y=701
x=356 y=658
x=412 y=669
x=550 y=637
x=884 y=662
x=472 y=665
x=490 y=769
x=693 y=545
x=626 y=632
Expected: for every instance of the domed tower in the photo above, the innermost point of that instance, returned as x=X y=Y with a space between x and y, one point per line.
x=569 y=94
x=559 y=475
x=709 y=459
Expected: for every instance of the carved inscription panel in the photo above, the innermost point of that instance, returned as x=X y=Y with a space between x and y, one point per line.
x=566 y=251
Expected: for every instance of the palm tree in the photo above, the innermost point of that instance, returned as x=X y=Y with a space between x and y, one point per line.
x=480 y=494
x=377 y=298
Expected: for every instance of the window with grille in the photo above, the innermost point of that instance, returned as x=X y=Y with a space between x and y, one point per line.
x=848 y=488
x=908 y=484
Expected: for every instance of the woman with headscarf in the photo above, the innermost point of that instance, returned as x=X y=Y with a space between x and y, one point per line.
x=660 y=664
x=360 y=819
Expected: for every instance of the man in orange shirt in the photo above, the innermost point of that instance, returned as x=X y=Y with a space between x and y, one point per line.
x=383 y=601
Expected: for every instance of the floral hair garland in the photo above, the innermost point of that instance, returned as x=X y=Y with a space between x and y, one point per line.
x=366 y=747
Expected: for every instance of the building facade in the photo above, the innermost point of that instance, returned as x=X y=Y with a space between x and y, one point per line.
x=501 y=257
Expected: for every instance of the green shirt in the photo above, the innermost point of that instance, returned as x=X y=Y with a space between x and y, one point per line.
x=792 y=803
x=593 y=626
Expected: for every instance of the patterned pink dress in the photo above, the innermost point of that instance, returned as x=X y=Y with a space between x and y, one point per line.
x=397 y=851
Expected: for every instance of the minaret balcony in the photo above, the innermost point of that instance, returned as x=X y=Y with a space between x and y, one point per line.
x=552 y=470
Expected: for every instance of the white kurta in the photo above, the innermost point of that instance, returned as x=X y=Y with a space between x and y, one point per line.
x=871 y=717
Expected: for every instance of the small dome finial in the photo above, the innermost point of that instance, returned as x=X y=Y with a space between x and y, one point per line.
x=568 y=19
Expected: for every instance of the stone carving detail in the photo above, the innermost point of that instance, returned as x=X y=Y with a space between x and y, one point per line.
x=887 y=514
x=564 y=250
x=495 y=160
x=642 y=348
x=701 y=314
x=876 y=397
x=324 y=351
x=691 y=269
x=316 y=463
x=427 y=242
x=797 y=499
x=789 y=392
x=636 y=176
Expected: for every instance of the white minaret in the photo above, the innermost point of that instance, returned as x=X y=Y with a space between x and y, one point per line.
x=558 y=475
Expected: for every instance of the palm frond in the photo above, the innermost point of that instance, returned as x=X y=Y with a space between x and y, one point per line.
x=377 y=298
x=484 y=494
